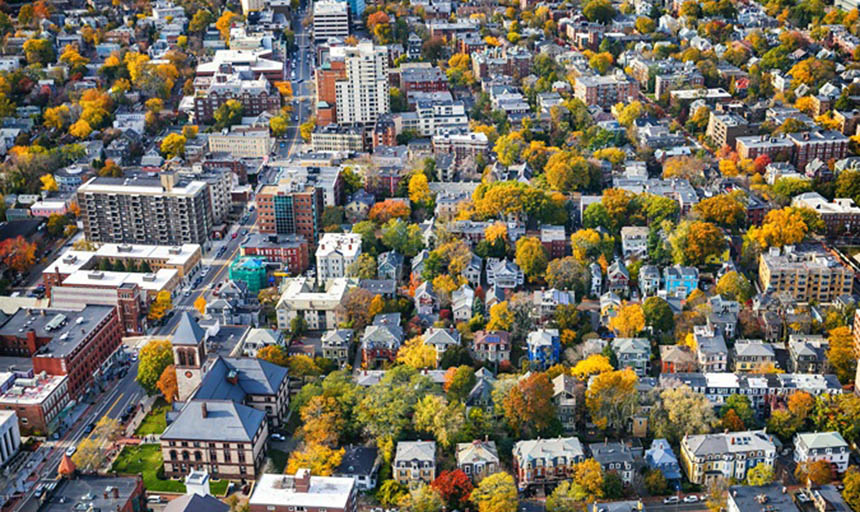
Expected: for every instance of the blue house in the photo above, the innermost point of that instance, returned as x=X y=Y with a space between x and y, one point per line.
x=680 y=281
x=661 y=457
x=544 y=347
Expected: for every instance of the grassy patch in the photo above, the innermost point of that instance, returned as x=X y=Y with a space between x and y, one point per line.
x=156 y=421
x=277 y=460
x=145 y=460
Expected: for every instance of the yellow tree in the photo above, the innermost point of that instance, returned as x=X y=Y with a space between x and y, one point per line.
x=57 y=117
x=173 y=145
x=629 y=321
x=167 y=384
x=320 y=459
x=417 y=354
x=501 y=318
x=190 y=131
x=154 y=105
x=592 y=365
x=81 y=129
x=612 y=399
x=840 y=353
x=200 y=305
x=781 y=227
x=495 y=493
x=531 y=257
x=495 y=231
x=49 y=184
x=419 y=189
x=160 y=306
x=224 y=23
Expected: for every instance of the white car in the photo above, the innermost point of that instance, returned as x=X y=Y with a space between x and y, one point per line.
x=691 y=499
x=278 y=437
x=71 y=450
x=671 y=499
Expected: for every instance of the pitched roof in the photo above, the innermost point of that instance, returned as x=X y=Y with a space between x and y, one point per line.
x=253 y=377
x=548 y=448
x=188 y=331
x=196 y=503
x=224 y=421
x=477 y=451
x=416 y=450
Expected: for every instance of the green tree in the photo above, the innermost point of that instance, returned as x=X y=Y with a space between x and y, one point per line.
x=735 y=286
x=155 y=356
x=743 y=408
x=201 y=19
x=403 y=237
x=364 y=267
x=599 y=10
x=658 y=314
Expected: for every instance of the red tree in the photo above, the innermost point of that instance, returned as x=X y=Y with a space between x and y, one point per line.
x=454 y=486
x=17 y=253
x=760 y=163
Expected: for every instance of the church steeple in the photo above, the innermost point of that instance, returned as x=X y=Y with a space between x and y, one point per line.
x=189 y=354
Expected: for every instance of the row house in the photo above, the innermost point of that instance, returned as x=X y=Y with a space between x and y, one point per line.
x=478 y=459
x=708 y=457
x=546 y=461
x=615 y=456
x=808 y=353
x=564 y=398
x=753 y=355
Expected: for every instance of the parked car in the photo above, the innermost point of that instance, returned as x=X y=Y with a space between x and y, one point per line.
x=671 y=499
x=89 y=428
x=691 y=499
x=278 y=437
x=71 y=450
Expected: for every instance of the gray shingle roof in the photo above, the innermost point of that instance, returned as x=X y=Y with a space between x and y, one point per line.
x=225 y=421
x=188 y=332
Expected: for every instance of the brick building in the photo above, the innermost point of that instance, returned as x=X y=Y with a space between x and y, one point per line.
x=327 y=76
x=255 y=95
x=605 y=91
x=291 y=250
x=290 y=208
x=823 y=145
x=39 y=400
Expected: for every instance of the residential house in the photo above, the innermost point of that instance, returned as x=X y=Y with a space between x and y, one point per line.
x=494 y=295
x=418 y=263
x=677 y=359
x=634 y=241
x=680 y=281
x=462 y=302
x=335 y=345
x=389 y=265
x=752 y=355
x=478 y=459
x=609 y=305
x=426 y=302
x=564 y=398
x=546 y=461
x=649 y=280
x=829 y=446
x=358 y=206
x=441 y=340
x=546 y=302
x=319 y=309
x=634 y=353
x=596 y=279
x=723 y=316
x=614 y=456
x=481 y=395
x=381 y=340
x=618 y=277
x=808 y=353
x=256 y=339
x=491 y=346
x=660 y=457
x=712 y=352
x=360 y=463
x=737 y=452
x=544 y=347
x=415 y=463
x=473 y=270
x=504 y=274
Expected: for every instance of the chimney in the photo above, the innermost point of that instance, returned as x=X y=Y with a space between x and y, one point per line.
x=168 y=179
x=303 y=480
x=203 y=412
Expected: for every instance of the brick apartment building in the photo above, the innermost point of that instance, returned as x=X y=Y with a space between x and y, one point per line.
x=423 y=79
x=38 y=400
x=605 y=91
x=291 y=209
x=327 y=77
x=255 y=95
x=291 y=250
x=823 y=145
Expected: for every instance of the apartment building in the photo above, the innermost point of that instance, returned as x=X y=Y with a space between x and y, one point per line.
x=605 y=91
x=151 y=211
x=777 y=147
x=724 y=129
x=10 y=436
x=288 y=493
x=513 y=61
x=841 y=216
x=546 y=461
x=40 y=401
x=363 y=95
x=416 y=78
x=805 y=273
x=336 y=252
x=823 y=145
x=243 y=141
x=463 y=146
x=433 y=117
x=257 y=62
x=317 y=308
x=337 y=138
x=666 y=83
x=730 y=455
x=330 y=19
x=328 y=73
x=255 y=94
x=827 y=446
x=290 y=250
x=291 y=207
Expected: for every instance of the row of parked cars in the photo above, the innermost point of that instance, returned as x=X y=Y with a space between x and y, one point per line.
x=692 y=498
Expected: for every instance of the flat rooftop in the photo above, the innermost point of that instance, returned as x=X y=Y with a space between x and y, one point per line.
x=32 y=391
x=154 y=282
x=323 y=492
x=70 y=261
x=90 y=491
x=175 y=255
x=66 y=328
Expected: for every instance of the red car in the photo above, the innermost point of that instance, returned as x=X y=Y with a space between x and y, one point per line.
x=235 y=235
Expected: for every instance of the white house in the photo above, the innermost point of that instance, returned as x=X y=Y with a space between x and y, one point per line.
x=829 y=446
x=335 y=253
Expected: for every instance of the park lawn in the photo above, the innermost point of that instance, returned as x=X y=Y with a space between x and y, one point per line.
x=156 y=421
x=150 y=465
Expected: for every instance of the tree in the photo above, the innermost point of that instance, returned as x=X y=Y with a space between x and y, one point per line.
x=419 y=190
x=167 y=384
x=501 y=317
x=839 y=413
x=612 y=399
x=49 y=184
x=459 y=381
x=508 y=148
x=390 y=493
x=417 y=354
x=567 y=172
x=423 y=498
x=225 y=22
x=307 y=128
x=629 y=321
x=160 y=306
x=734 y=286
x=599 y=10
x=57 y=117
x=801 y=404
x=585 y=487
x=683 y=167
x=760 y=474
x=594 y=364
x=155 y=356
x=731 y=422
x=57 y=224
x=435 y=415
x=496 y=493
x=601 y=62
x=645 y=26
x=228 y=114
x=817 y=472
x=680 y=411
x=627 y=115
x=320 y=459
x=201 y=19
x=840 y=354
x=783 y=424
x=384 y=211
x=851 y=493
x=364 y=267
x=190 y=131
x=355 y=308
x=658 y=314
x=694 y=242
x=655 y=483
x=780 y=227
x=722 y=209
x=568 y=274
x=274 y=354
x=531 y=257
x=38 y=51
x=742 y=407
x=528 y=407
x=403 y=237
x=322 y=421
x=110 y=168
x=80 y=129
x=278 y=125
x=454 y=487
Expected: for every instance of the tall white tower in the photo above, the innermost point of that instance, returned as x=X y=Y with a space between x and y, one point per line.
x=189 y=354
x=363 y=96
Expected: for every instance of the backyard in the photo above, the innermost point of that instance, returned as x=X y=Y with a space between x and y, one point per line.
x=156 y=421
x=145 y=460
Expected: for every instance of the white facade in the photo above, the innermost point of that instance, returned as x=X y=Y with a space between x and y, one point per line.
x=252 y=5
x=331 y=19
x=335 y=253
x=829 y=446
x=318 y=309
x=10 y=436
x=363 y=96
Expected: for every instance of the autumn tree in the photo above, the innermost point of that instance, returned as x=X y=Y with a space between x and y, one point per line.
x=568 y=274
x=588 y=244
x=724 y=210
x=780 y=227
x=155 y=356
x=567 y=172
x=681 y=411
x=423 y=498
x=585 y=487
x=508 y=148
x=612 y=399
x=459 y=381
x=600 y=11
x=683 y=167
x=734 y=286
x=694 y=242
x=840 y=354
x=592 y=365
x=225 y=22
x=501 y=317
x=455 y=487
x=354 y=310
x=528 y=407
x=160 y=306
x=200 y=305
x=322 y=421
x=173 y=145
x=388 y=209
x=444 y=420
x=495 y=493
x=629 y=321
x=531 y=257
x=419 y=190
x=320 y=459
x=817 y=472
x=760 y=474
x=17 y=253
x=658 y=314
x=364 y=267
x=167 y=384
x=274 y=354
x=417 y=354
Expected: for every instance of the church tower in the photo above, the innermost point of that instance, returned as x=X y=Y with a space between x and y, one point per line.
x=189 y=354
